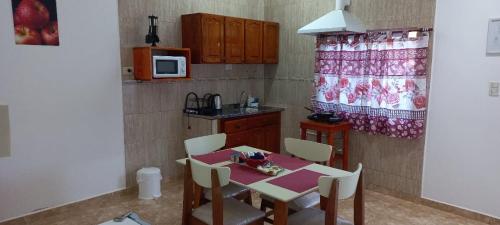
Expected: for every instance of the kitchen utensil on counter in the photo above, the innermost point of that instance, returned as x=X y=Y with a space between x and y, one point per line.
x=211 y=104
x=192 y=103
x=217 y=101
x=253 y=102
x=243 y=101
x=191 y=106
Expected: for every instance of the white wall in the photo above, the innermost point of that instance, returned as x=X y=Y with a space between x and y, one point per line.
x=462 y=158
x=66 y=110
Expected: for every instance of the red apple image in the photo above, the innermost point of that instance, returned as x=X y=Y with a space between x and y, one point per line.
x=32 y=13
x=27 y=36
x=50 y=34
x=16 y=20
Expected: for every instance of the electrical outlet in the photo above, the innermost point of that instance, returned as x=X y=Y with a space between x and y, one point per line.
x=494 y=89
x=128 y=71
x=229 y=67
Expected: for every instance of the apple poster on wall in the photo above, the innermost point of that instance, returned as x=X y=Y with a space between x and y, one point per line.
x=35 y=22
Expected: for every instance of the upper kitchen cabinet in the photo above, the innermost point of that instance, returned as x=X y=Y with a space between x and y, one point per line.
x=204 y=35
x=270 y=47
x=220 y=39
x=253 y=41
x=234 y=29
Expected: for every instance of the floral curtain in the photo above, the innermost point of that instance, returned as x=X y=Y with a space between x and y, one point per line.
x=376 y=81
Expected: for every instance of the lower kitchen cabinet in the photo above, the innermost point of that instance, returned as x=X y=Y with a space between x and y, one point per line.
x=261 y=131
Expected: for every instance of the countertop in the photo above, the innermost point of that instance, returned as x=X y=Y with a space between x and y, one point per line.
x=229 y=112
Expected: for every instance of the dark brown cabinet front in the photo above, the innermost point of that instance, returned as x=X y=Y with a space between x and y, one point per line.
x=270 y=45
x=213 y=38
x=204 y=35
x=234 y=30
x=260 y=131
x=253 y=41
x=220 y=39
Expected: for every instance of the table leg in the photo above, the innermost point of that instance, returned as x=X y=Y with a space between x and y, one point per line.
x=280 y=213
x=331 y=142
x=345 y=151
x=303 y=134
x=319 y=136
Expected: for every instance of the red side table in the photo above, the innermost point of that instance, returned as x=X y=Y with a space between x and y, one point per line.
x=330 y=130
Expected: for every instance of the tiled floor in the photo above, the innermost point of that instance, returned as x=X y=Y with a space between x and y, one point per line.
x=380 y=210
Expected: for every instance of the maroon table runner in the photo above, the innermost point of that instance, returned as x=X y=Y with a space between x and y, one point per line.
x=298 y=181
x=215 y=157
x=245 y=175
x=289 y=162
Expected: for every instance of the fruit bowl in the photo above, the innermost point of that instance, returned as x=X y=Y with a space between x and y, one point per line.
x=257 y=162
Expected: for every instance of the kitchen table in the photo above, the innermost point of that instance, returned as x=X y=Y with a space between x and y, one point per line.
x=299 y=178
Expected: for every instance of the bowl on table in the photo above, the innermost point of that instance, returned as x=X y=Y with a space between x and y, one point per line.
x=258 y=160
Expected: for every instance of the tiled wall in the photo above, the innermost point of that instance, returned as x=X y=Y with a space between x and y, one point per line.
x=154 y=124
x=390 y=163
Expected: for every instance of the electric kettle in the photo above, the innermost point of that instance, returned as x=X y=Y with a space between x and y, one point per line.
x=216 y=101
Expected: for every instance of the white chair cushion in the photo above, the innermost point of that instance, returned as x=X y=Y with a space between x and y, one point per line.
x=304 y=202
x=228 y=191
x=312 y=216
x=235 y=213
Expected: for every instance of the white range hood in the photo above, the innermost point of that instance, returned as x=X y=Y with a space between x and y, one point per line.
x=338 y=20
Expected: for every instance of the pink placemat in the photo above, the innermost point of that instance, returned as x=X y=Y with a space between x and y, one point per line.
x=245 y=175
x=298 y=181
x=215 y=157
x=288 y=162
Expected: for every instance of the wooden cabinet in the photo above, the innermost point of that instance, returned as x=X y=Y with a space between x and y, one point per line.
x=237 y=139
x=273 y=137
x=253 y=41
x=219 y=39
x=259 y=131
x=257 y=138
x=270 y=47
x=204 y=34
x=234 y=35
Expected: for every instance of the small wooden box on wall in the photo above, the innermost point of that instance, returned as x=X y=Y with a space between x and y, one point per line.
x=143 y=61
x=216 y=39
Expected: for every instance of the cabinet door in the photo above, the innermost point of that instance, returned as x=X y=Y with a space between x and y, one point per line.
x=238 y=139
x=234 y=30
x=270 y=49
x=257 y=138
x=253 y=41
x=273 y=137
x=212 y=38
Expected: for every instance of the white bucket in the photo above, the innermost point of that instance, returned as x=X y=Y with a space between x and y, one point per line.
x=149 y=180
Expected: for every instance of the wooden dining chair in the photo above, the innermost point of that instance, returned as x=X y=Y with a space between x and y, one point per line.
x=310 y=151
x=220 y=211
x=204 y=145
x=331 y=190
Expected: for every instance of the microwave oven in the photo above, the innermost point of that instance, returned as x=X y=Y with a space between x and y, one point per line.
x=169 y=66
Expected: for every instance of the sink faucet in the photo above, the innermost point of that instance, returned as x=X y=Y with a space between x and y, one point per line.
x=243 y=93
